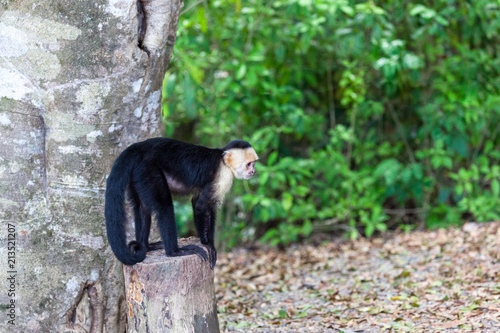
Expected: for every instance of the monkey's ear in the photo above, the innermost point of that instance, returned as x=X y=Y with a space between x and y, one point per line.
x=228 y=157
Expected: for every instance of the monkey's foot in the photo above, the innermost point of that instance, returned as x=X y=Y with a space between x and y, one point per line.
x=156 y=246
x=188 y=250
x=212 y=253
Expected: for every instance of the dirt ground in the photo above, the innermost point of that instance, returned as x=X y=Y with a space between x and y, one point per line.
x=432 y=281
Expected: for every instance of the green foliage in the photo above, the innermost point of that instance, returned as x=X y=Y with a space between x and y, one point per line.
x=364 y=115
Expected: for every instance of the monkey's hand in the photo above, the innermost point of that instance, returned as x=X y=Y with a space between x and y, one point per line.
x=212 y=253
x=190 y=249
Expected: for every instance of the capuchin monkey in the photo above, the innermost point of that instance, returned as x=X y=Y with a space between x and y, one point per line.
x=150 y=172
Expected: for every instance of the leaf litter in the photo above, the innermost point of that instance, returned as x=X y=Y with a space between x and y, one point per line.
x=446 y=280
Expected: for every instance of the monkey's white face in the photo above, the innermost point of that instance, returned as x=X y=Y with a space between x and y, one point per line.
x=245 y=171
x=241 y=162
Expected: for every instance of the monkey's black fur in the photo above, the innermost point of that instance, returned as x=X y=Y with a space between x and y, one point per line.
x=143 y=170
x=241 y=144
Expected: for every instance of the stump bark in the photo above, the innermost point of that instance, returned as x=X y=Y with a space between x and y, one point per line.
x=171 y=294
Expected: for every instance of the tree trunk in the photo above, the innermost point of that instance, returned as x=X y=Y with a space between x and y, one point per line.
x=171 y=294
x=75 y=90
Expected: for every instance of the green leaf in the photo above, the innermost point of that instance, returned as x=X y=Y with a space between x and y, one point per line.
x=287 y=201
x=241 y=72
x=282 y=314
x=417 y=10
x=412 y=61
x=369 y=229
x=447 y=162
x=307 y=228
x=270 y=234
x=251 y=78
x=389 y=169
x=353 y=234
x=441 y=20
x=202 y=20
x=347 y=10
x=302 y=314
x=242 y=324
x=272 y=158
x=264 y=177
x=495 y=187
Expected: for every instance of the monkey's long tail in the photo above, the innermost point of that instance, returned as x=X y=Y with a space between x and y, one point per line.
x=114 y=211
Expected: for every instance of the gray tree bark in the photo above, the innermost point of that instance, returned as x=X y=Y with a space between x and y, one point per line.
x=171 y=294
x=75 y=90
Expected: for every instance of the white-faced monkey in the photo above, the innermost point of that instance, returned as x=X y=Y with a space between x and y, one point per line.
x=150 y=172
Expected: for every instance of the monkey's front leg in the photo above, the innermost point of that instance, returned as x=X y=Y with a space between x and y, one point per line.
x=204 y=212
x=168 y=231
x=212 y=253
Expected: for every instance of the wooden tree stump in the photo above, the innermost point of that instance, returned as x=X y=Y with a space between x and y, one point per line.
x=171 y=294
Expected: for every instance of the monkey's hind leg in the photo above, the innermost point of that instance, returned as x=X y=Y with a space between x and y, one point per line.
x=142 y=220
x=143 y=227
x=142 y=216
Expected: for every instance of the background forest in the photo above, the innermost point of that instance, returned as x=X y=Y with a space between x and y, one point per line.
x=367 y=116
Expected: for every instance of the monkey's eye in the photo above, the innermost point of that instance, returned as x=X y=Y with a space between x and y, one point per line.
x=249 y=164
